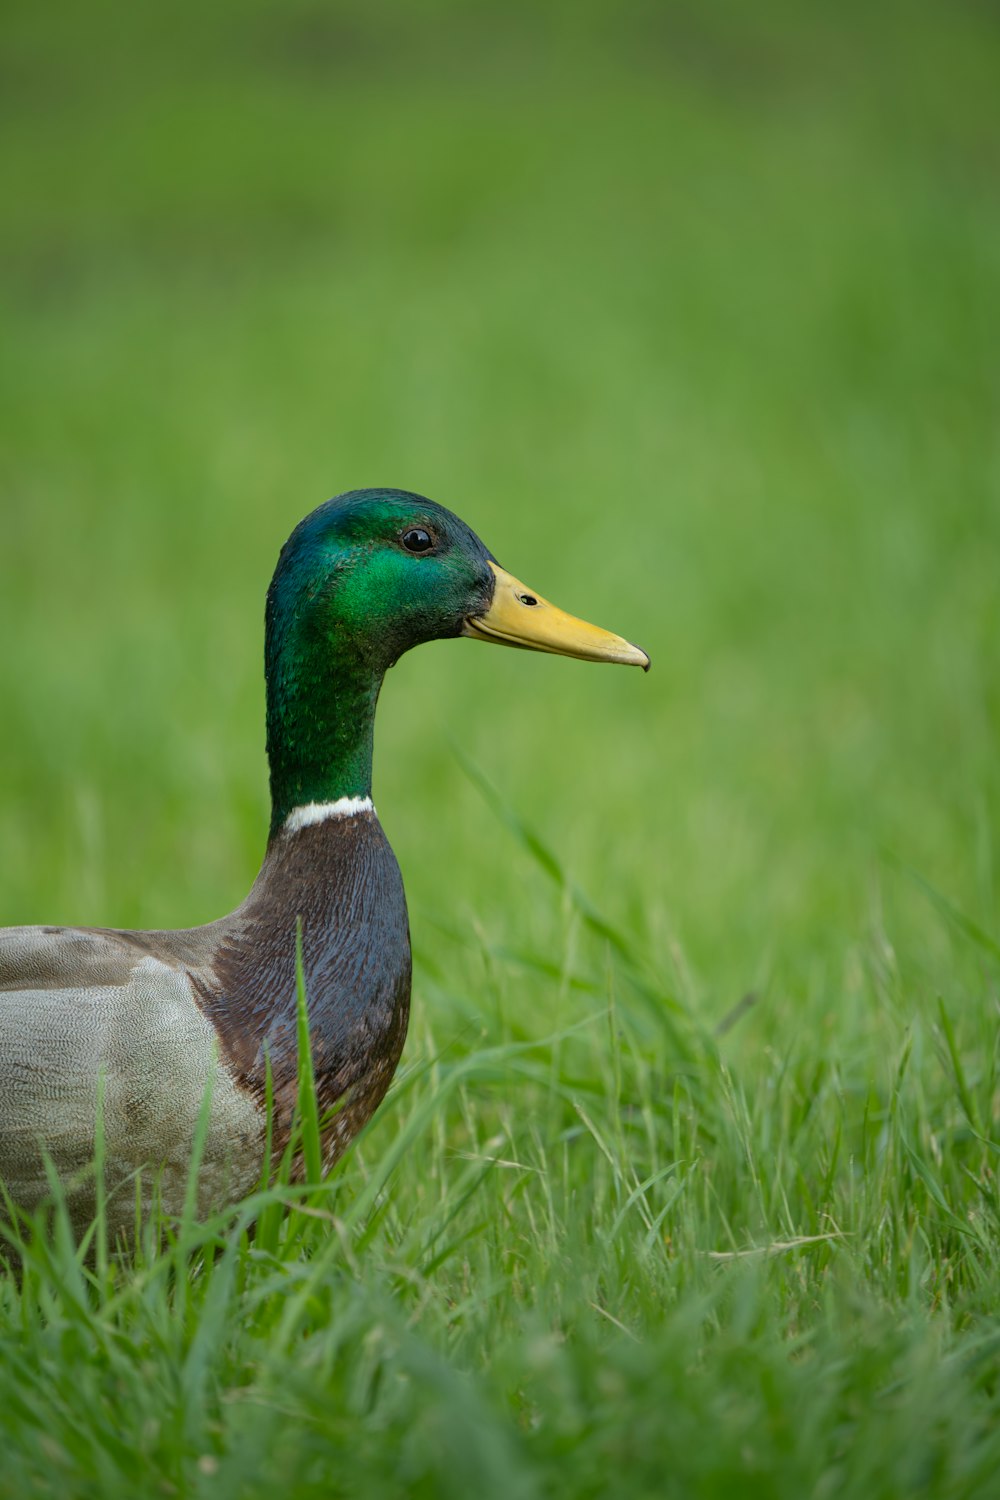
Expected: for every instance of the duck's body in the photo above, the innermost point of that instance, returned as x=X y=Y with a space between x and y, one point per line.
x=141 y=1027
x=162 y=1016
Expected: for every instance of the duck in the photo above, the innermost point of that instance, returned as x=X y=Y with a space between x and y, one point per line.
x=137 y=1035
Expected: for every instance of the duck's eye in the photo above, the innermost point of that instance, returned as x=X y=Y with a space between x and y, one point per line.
x=417 y=539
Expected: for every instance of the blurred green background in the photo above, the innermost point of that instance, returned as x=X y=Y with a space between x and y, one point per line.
x=693 y=312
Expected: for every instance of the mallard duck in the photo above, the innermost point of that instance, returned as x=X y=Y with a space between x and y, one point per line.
x=155 y=1023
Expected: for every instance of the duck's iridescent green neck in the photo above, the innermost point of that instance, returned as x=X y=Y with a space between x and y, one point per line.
x=320 y=729
x=359 y=581
x=323 y=669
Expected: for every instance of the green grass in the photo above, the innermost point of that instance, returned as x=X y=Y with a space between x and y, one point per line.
x=693 y=315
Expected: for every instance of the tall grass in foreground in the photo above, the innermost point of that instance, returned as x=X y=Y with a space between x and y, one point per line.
x=604 y=1261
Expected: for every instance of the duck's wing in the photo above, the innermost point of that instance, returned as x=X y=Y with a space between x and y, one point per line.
x=88 y=1015
x=63 y=958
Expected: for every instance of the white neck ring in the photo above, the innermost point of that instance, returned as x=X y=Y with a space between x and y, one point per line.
x=319 y=812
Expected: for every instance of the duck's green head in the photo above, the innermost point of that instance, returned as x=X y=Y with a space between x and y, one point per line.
x=379 y=571
x=359 y=581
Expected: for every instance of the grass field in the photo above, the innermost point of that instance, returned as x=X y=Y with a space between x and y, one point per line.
x=694 y=314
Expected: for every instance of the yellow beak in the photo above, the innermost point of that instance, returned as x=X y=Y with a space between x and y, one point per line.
x=519 y=617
